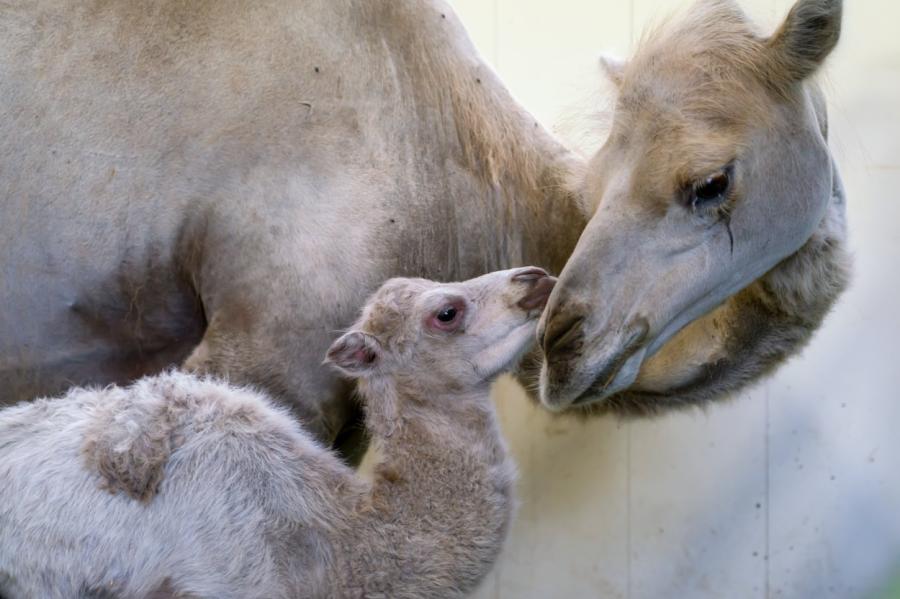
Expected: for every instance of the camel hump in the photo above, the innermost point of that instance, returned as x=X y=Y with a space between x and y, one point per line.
x=134 y=432
x=131 y=436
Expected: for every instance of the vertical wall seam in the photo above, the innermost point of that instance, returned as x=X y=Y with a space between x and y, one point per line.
x=496 y=35
x=628 y=509
x=768 y=499
x=631 y=25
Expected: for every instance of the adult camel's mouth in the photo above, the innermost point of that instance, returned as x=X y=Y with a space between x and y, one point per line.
x=619 y=372
x=586 y=369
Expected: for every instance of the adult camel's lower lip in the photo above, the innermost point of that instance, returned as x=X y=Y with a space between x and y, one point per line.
x=597 y=391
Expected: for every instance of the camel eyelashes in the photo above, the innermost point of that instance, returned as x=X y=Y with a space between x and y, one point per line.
x=710 y=191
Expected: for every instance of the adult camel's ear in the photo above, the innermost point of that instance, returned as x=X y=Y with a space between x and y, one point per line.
x=355 y=354
x=613 y=68
x=805 y=39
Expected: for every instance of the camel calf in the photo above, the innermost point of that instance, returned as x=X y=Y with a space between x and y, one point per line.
x=245 y=503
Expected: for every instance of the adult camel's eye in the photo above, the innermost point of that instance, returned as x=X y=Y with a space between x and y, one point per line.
x=712 y=190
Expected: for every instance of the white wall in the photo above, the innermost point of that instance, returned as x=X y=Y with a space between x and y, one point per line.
x=791 y=489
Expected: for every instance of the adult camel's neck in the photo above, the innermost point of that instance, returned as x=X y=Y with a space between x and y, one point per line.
x=441 y=500
x=516 y=172
x=524 y=166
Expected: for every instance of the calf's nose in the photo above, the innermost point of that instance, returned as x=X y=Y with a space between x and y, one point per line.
x=530 y=273
x=540 y=284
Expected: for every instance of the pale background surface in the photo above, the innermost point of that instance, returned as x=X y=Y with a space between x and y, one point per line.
x=793 y=488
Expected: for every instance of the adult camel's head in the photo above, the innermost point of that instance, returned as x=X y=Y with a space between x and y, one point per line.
x=716 y=170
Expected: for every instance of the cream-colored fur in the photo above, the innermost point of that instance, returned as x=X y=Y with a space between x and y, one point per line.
x=246 y=503
x=225 y=182
x=221 y=183
x=672 y=300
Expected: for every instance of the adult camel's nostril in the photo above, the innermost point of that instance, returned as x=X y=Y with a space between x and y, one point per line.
x=562 y=333
x=537 y=296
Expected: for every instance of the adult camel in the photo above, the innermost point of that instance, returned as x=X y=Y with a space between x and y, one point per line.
x=222 y=183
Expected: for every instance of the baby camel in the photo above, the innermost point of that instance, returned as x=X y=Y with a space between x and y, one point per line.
x=249 y=504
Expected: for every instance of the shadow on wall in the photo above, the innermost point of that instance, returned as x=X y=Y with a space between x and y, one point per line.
x=893 y=588
x=580 y=491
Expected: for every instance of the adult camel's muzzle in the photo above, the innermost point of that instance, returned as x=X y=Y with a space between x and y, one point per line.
x=598 y=325
x=582 y=366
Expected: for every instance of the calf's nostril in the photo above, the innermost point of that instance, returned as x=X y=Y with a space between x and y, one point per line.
x=528 y=275
x=538 y=295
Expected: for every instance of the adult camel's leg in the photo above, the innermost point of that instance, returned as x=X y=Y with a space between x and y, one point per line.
x=281 y=357
x=243 y=347
x=287 y=365
x=282 y=263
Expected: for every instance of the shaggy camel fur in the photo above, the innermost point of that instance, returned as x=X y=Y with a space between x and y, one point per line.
x=250 y=504
x=717 y=243
x=225 y=182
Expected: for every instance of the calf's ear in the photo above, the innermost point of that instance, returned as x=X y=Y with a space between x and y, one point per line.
x=805 y=39
x=355 y=354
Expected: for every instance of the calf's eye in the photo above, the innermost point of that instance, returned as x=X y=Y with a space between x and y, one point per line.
x=447 y=315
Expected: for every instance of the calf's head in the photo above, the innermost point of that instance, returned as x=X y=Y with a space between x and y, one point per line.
x=436 y=337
